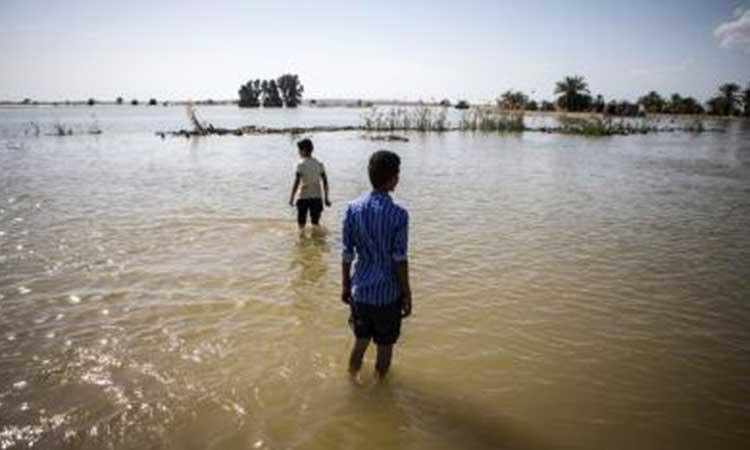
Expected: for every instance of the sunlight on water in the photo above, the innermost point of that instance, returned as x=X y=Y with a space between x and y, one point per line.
x=569 y=293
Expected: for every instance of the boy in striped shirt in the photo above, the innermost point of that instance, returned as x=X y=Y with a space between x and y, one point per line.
x=376 y=231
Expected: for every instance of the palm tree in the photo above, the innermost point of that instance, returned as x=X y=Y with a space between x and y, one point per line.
x=729 y=91
x=574 y=93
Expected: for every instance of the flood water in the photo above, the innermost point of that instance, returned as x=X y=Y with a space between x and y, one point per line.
x=569 y=293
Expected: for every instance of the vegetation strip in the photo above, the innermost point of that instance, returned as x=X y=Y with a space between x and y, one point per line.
x=426 y=119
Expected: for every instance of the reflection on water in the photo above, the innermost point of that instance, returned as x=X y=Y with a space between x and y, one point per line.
x=569 y=293
x=307 y=258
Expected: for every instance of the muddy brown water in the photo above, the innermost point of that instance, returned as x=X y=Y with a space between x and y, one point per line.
x=568 y=292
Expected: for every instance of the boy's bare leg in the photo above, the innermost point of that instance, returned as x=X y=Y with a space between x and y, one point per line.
x=358 y=352
x=383 y=362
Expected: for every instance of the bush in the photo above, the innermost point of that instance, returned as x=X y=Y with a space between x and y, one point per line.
x=462 y=104
x=492 y=119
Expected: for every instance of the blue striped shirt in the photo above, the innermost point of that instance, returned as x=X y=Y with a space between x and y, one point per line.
x=376 y=231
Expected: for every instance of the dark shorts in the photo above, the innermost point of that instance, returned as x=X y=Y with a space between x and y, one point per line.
x=381 y=323
x=314 y=205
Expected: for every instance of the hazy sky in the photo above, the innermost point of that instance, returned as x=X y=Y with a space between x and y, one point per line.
x=60 y=49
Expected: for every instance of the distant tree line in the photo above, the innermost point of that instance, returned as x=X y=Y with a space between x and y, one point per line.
x=119 y=101
x=573 y=95
x=284 y=91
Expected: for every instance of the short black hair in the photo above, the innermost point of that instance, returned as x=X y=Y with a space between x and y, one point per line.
x=305 y=145
x=384 y=165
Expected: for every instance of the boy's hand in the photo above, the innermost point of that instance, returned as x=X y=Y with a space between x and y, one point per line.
x=346 y=296
x=406 y=305
x=328 y=202
x=291 y=202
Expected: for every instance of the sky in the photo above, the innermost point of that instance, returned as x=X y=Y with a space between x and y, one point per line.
x=407 y=49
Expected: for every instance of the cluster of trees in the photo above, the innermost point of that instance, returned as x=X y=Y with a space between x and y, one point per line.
x=730 y=100
x=514 y=100
x=120 y=101
x=573 y=95
x=676 y=104
x=284 y=91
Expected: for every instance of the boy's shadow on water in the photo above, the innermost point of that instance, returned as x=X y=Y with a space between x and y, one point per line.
x=307 y=257
x=450 y=422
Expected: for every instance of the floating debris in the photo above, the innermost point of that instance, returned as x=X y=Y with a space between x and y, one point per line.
x=387 y=138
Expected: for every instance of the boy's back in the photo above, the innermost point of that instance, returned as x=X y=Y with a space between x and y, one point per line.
x=375 y=233
x=310 y=171
x=308 y=174
x=376 y=229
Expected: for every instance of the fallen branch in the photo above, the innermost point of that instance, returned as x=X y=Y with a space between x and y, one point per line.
x=253 y=130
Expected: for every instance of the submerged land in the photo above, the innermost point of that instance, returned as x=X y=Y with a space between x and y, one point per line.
x=476 y=119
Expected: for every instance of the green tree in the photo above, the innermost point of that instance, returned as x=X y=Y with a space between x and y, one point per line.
x=152 y=102
x=691 y=106
x=134 y=102
x=622 y=108
x=716 y=106
x=598 y=104
x=678 y=104
x=291 y=89
x=746 y=100
x=730 y=93
x=652 y=102
x=513 y=100
x=574 y=93
x=271 y=97
x=119 y=100
x=91 y=102
x=250 y=94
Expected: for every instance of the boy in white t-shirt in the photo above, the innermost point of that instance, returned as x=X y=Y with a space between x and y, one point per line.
x=309 y=172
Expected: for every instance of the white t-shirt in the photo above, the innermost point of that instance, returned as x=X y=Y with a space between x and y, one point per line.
x=309 y=170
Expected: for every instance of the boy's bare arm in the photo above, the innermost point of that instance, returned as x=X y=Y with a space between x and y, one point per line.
x=402 y=273
x=346 y=282
x=294 y=189
x=325 y=187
